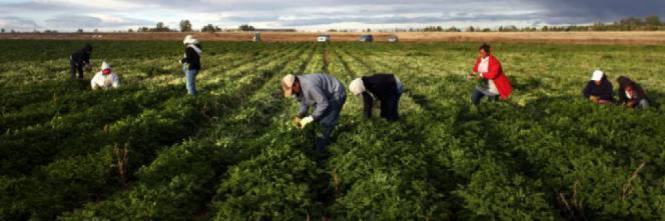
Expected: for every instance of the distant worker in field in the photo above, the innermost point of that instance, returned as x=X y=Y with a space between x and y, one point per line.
x=631 y=94
x=327 y=96
x=599 y=90
x=105 y=79
x=80 y=60
x=387 y=88
x=191 y=62
x=496 y=83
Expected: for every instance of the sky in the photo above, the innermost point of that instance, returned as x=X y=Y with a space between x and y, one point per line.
x=314 y=15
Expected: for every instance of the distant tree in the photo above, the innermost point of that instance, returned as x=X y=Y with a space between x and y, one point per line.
x=470 y=29
x=453 y=29
x=13 y=31
x=210 y=28
x=2 y=30
x=160 y=27
x=79 y=31
x=95 y=31
x=246 y=28
x=130 y=30
x=185 y=26
x=653 y=20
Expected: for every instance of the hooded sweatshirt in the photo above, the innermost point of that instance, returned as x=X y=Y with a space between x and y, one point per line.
x=321 y=91
x=102 y=81
x=638 y=92
x=192 y=56
x=82 y=56
x=602 y=91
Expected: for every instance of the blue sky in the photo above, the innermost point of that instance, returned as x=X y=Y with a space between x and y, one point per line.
x=108 y=15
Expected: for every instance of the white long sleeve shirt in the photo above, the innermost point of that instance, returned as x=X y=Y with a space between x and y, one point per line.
x=101 y=81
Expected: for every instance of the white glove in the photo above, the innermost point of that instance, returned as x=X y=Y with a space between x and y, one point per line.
x=305 y=121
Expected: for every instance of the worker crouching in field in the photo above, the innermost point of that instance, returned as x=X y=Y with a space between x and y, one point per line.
x=496 y=83
x=387 y=88
x=79 y=60
x=191 y=62
x=105 y=79
x=325 y=93
x=599 y=90
x=631 y=94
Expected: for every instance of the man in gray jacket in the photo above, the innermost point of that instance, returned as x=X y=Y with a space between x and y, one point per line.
x=325 y=93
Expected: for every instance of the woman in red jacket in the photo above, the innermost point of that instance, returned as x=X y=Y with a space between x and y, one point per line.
x=489 y=68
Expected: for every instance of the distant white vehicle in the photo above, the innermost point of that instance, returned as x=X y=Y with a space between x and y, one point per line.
x=323 y=38
x=393 y=38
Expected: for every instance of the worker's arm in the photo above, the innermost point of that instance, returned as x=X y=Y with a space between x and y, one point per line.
x=322 y=103
x=116 y=81
x=587 y=90
x=367 y=104
x=303 y=110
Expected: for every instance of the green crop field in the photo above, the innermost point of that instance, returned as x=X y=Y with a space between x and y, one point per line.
x=148 y=151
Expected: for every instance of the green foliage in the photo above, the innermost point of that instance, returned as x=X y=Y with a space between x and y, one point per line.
x=150 y=152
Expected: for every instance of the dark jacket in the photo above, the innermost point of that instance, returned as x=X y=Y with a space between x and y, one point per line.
x=82 y=56
x=625 y=82
x=192 y=58
x=382 y=86
x=603 y=92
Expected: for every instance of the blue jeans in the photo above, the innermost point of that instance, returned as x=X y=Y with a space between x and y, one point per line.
x=479 y=93
x=190 y=77
x=328 y=123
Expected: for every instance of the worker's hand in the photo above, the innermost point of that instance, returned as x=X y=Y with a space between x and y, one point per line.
x=305 y=121
x=593 y=99
x=296 y=121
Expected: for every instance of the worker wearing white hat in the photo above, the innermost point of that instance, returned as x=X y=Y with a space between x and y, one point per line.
x=325 y=93
x=599 y=90
x=191 y=62
x=105 y=79
x=387 y=88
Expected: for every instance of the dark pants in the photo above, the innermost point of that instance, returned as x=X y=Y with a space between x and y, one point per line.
x=75 y=67
x=389 y=107
x=479 y=93
x=328 y=123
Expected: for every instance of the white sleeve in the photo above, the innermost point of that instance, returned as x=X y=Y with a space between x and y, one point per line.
x=93 y=82
x=116 y=81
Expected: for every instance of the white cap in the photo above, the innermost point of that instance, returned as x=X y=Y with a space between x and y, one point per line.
x=190 y=40
x=357 y=86
x=597 y=75
x=287 y=84
x=105 y=65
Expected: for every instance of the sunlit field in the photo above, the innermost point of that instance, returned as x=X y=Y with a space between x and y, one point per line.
x=149 y=151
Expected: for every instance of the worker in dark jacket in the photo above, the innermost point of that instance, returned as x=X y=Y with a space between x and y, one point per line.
x=387 y=88
x=191 y=62
x=78 y=60
x=325 y=93
x=631 y=94
x=599 y=90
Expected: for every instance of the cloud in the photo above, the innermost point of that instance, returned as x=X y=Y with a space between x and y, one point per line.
x=312 y=14
x=588 y=11
x=17 y=23
x=69 y=22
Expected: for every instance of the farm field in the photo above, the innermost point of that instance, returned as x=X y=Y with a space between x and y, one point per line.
x=148 y=151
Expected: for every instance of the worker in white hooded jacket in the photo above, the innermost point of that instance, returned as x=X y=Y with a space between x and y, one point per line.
x=105 y=79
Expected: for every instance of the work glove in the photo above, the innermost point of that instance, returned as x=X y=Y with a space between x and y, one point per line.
x=303 y=122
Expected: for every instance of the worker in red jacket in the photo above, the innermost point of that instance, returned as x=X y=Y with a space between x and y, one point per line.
x=489 y=68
